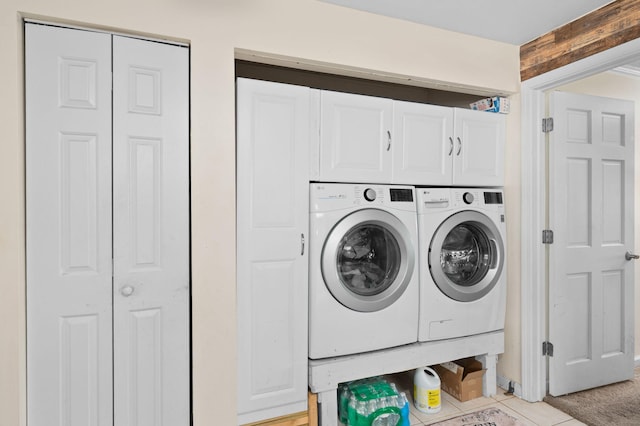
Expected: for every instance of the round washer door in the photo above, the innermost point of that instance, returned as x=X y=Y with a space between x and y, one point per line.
x=368 y=260
x=466 y=256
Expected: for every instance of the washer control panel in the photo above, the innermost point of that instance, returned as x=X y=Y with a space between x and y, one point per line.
x=335 y=196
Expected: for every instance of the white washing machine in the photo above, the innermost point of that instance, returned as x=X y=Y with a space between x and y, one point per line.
x=462 y=238
x=363 y=276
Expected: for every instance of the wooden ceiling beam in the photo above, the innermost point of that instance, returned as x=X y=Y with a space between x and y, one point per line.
x=611 y=25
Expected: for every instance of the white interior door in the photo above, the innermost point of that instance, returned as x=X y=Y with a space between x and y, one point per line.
x=93 y=333
x=591 y=286
x=151 y=233
x=68 y=156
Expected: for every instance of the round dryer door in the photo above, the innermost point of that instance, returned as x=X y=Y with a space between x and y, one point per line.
x=466 y=256
x=368 y=260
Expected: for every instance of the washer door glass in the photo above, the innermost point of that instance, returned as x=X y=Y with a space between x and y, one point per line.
x=466 y=256
x=368 y=260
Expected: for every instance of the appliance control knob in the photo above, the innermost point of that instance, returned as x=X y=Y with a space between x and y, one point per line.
x=369 y=194
x=467 y=197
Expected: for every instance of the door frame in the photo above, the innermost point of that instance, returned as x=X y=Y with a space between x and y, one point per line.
x=533 y=205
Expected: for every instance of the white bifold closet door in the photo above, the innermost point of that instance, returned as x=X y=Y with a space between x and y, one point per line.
x=107 y=174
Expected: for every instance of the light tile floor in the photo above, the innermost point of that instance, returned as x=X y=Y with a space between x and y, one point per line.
x=531 y=414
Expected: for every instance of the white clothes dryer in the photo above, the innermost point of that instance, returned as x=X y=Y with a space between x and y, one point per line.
x=363 y=277
x=462 y=239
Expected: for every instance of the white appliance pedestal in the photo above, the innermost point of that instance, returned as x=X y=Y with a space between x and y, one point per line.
x=326 y=374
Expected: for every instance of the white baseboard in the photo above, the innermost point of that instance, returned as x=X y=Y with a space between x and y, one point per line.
x=636 y=360
x=504 y=383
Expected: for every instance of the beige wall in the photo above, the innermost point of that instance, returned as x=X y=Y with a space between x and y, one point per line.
x=317 y=35
x=509 y=363
x=614 y=85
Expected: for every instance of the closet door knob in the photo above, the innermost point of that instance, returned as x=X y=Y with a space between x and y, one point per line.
x=126 y=291
x=631 y=256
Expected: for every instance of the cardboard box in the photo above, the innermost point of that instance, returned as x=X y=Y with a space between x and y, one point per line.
x=461 y=379
x=495 y=104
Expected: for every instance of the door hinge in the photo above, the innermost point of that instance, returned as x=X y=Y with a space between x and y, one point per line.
x=547 y=236
x=547 y=349
x=547 y=124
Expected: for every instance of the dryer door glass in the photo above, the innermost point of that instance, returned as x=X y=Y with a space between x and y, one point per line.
x=466 y=255
x=368 y=259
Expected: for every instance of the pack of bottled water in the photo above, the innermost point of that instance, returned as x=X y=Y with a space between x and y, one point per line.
x=372 y=402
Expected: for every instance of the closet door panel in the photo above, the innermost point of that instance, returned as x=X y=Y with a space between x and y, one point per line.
x=151 y=233
x=68 y=196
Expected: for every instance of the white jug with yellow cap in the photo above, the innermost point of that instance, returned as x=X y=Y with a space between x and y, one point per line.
x=426 y=390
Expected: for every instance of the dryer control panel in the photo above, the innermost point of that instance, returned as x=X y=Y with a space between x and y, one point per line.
x=433 y=199
x=489 y=197
x=477 y=197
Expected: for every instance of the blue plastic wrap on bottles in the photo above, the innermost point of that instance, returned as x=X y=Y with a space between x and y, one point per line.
x=372 y=402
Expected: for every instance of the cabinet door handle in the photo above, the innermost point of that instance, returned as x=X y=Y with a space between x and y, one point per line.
x=459 y=145
x=450 y=145
x=301 y=244
x=388 y=140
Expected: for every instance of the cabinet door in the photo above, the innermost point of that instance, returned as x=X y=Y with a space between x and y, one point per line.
x=355 y=138
x=478 y=157
x=422 y=144
x=272 y=230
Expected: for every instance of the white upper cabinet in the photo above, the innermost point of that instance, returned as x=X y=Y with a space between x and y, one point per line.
x=478 y=154
x=355 y=138
x=379 y=140
x=422 y=144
